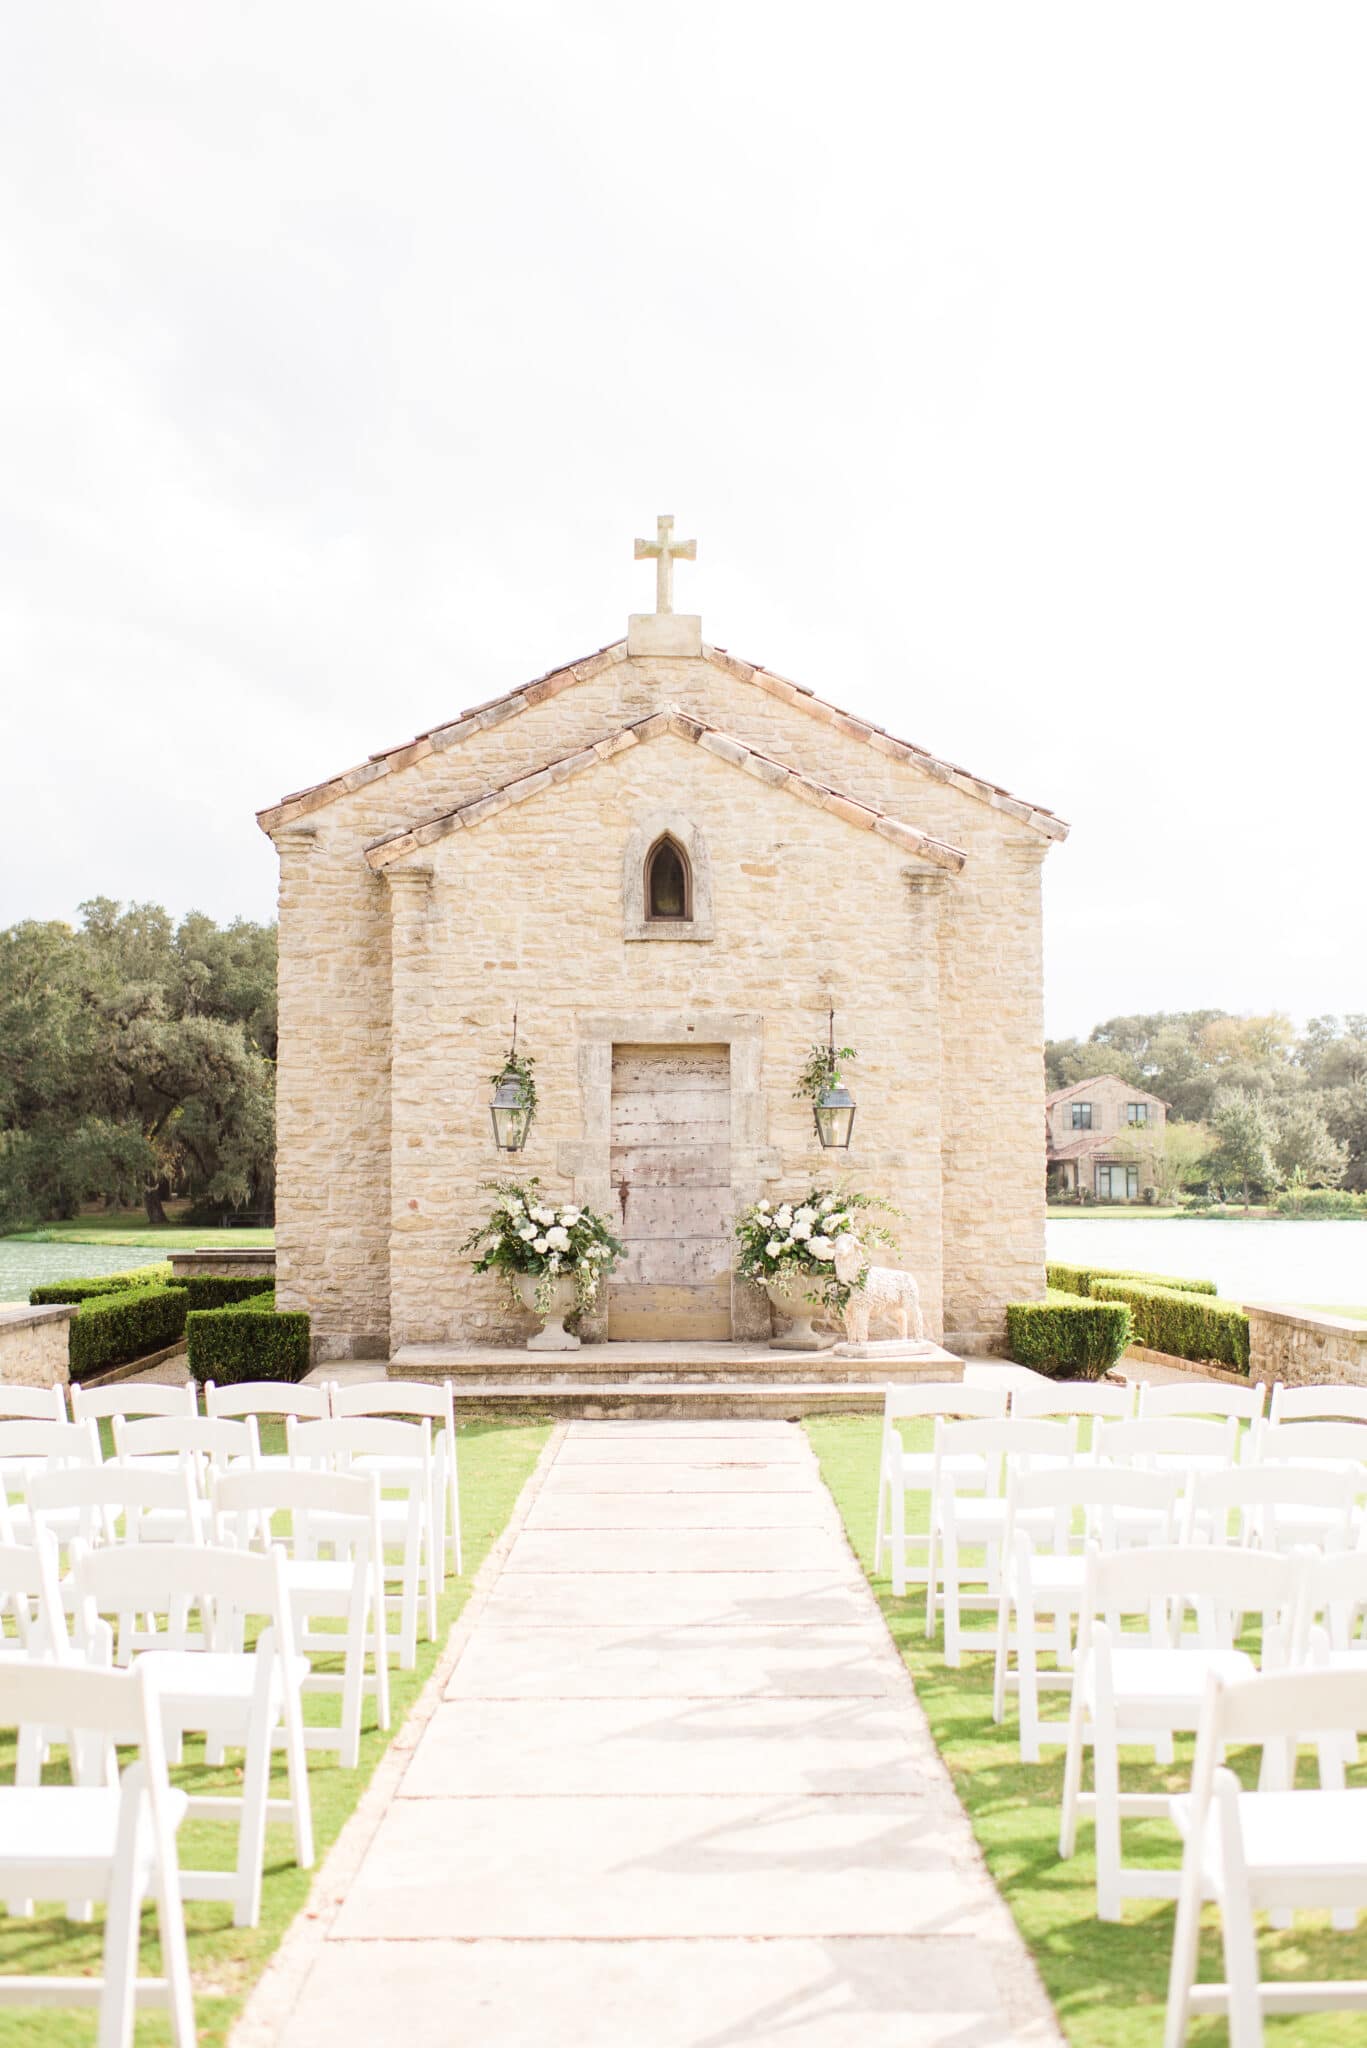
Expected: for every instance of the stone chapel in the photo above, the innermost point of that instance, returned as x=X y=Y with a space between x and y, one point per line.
x=670 y=863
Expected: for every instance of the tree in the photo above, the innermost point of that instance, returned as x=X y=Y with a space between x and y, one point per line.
x=1244 y=1138
x=1306 y=1147
x=1175 y=1155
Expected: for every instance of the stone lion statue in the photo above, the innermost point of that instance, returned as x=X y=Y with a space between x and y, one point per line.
x=886 y=1290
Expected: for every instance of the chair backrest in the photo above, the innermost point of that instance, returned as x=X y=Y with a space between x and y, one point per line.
x=331 y=1446
x=109 y=1706
x=1172 y=1438
x=101 y=1494
x=1001 y=1443
x=1201 y=1397
x=225 y=1584
x=944 y=1397
x=1101 y=1492
x=1335 y=1587
x=1039 y=1396
x=197 y=1439
x=57 y=1443
x=1259 y=1491
x=1160 y=1581
x=33 y=1404
x=310 y=1501
x=1283 y=1704
x=1309 y=1442
x=1321 y=1404
x=265 y=1397
x=31 y=1596
x=395 y=1397
x=133 y=1397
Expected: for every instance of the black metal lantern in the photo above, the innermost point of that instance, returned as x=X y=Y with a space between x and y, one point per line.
x=514 y=1102
x=833 y=1109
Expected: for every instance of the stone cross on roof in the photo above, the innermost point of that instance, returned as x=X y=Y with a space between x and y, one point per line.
x=664 y=631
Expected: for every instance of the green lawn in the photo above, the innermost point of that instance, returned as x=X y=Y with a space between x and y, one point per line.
x=1108 y=1983
x=1337 y=1308
x=130 y=1226
x=495 y=1461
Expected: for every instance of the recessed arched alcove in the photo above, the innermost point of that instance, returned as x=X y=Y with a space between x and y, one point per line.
x=666 y=880
x=668 y=886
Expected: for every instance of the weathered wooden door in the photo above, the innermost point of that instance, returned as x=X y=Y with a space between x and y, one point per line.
x=671 y=1179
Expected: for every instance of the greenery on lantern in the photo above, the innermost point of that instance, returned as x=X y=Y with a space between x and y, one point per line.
x=523 y=1234
x=822 y=1070
x=792 y=1244
x=518 y=1067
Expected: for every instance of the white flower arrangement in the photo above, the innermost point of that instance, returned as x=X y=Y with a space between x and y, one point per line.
x=523 y=1234
x=793 y=1247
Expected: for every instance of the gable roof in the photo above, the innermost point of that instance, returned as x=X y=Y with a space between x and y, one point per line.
x=1081 y=1088
x=1099 y=1142
x=479 y=717
x=396 y=846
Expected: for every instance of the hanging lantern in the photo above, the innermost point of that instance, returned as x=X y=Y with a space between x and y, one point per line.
x=514 y=1103
x=833 y=1108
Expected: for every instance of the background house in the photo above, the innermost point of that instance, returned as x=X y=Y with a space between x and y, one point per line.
x=1096 y=1138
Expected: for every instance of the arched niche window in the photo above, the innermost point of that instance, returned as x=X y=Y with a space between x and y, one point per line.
x=666 y=879
x=668 y=888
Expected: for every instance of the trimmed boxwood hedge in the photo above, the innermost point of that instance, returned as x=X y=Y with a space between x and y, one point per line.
x=53 y=1291
x=115 y=1329
x=247 y=1341
x=1078 y=1279
x=1188 y=1325
x=221 y=1290
x=1066 y=1336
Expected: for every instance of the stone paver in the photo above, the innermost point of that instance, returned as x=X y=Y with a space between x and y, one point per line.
x=678 y=1792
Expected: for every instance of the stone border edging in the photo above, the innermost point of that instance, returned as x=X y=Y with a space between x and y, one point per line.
x=276 y=1991
x=134 y=1366
x=1198 y=1369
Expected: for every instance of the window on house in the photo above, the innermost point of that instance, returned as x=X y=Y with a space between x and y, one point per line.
x=668 y=889
x=1117 y=1183
x=1136 y=1112
x=1082 y=1116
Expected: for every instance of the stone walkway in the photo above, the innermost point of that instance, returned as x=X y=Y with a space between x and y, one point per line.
x=676 y=1791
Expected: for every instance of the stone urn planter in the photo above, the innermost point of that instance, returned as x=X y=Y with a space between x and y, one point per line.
x=552 y=1336
x=798 y=1313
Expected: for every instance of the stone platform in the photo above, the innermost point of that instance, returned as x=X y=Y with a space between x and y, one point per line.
x=644 y=1379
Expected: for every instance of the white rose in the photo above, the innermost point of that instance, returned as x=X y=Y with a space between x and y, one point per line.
x=828 y=1204
x=513 y=1205
x=538 y=1244
x=821 y=1248
x=801 y=1229
x=558 y=1239
x=527 y=1232
x=762 y=1208
x=806 y=1215
x=570 y=1215
x=784 y=1216
x=773 y=1247
x=544 y=1215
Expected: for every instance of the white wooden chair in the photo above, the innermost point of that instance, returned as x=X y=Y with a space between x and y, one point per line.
x=977 y=1518
x=1276 y=1851
x=1201 y=1397
x=1044 y=1569
x=208 y=1683
x=1316 y=1445
x=33 y=1446
x=414 y=1398
x=32 y=1624
x=32 y=1404
x=1146 y=1687
x=132 y=1398
x=1279 y=1507
x=324 y=1510
x=208 y=1444
x=103 y=1837
x=1037 y=1398
x=399 y=1454
x=1169 y=1443
x=267 y=1397
x=902 y=1472
x=1335 y=1403
x=113 y=1503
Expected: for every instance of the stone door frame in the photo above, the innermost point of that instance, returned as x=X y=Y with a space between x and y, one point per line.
x=754 y=1163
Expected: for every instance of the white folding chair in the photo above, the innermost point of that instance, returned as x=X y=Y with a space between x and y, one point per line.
x=399 y=1454
x=103 y=1837
x=1168 y=1443
x=1335 y=1403
x=32 y=1446
x=206 y=1443
x=281 y=1398
x=1279 y=1507
x=976 y=1518
x=413 y=1398
x=1053 y=1519
x=32 y=1624
x=132 y=1398
x=1200 y=1397
x=1038 y=1397
x=1275 y=1851
x=1340 y=1446
x=901 y=1471
x=1142 y=1687
x=339 y=1511
x=208 y=1683
x=32 y=1404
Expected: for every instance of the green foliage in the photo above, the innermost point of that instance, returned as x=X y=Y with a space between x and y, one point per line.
x=1320 y=1202
x=822 y=1069
x=1306 y=1152
x=1188 y=1325
x=136 y=1062
x=523 y=1234
x=520 y=1067
x=115 y=1329
x=1245 y=1133
x=1066 y=1336
x=791 y=1245
x=248 y=1340
x=1078 y=1279
x=102 y=1283
x=221 y=1290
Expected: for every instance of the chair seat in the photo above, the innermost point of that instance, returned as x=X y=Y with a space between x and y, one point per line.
x=191 y=1681
x=68 y=1827
x=1296 y=1835
x=319 y=1578
x=917 y=1466
x=1050 y=1573
x=1169 y=1678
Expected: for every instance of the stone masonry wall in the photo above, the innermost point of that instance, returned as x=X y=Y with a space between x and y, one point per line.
x=1306 y=1350
x=333 y=1204
x=33 y=1346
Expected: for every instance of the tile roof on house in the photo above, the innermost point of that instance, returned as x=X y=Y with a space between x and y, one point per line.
x=1083 y=1087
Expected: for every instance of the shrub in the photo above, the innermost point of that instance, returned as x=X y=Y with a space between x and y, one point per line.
x=100 y=1283
x=248 y=1341
x=1067 y=1336
x=1078 y=1279
x=1188 y=1325
x=1321 y=1202
x=221 y=1290
x=114 y=1329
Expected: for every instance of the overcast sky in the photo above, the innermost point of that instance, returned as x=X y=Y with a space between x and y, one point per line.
x=1009 y=364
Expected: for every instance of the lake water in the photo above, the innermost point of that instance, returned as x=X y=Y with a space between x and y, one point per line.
x=23 y=1266
x=1250 y=1261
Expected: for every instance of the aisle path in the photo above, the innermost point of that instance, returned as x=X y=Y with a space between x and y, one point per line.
x=677 y=1792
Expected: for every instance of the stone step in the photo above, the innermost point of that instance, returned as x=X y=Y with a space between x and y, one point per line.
x=640 y=1400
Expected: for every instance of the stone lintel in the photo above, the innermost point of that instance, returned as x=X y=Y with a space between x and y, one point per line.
x=21 y=1315
x=664 y=633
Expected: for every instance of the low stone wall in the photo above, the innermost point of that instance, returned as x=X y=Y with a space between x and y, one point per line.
x=248 y=1264
x=33 y=1345
x=1306 y=1349
x=1139 y=1355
